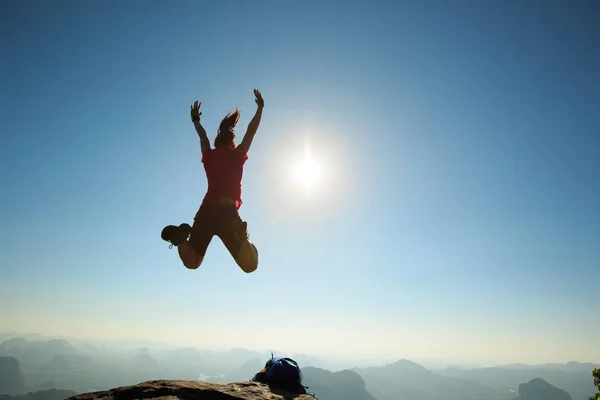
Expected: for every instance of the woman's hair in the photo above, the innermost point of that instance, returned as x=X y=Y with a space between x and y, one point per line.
x=226 y=132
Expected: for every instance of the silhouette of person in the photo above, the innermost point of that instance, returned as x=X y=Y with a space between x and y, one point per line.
x=218 y=213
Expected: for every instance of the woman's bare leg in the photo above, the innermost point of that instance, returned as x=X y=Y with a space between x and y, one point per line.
x=188 y=255
x=247 y=257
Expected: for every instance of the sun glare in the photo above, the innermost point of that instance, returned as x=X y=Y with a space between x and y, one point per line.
x=307 y=172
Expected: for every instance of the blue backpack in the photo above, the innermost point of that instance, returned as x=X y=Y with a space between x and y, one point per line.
x=282 y=372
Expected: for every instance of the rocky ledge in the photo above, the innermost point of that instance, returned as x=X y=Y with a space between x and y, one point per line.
x=191 y=390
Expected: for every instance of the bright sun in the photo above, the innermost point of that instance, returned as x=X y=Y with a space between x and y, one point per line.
x=307 y=172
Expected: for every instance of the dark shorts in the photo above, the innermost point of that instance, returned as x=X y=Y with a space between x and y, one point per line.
x=222 y=220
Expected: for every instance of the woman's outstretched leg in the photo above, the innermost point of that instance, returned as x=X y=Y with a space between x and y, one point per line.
x=247 y=257
x=237 y=241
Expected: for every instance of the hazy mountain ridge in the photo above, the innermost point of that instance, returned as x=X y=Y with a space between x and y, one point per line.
x=409 y=380
x=573 y=377
x=570 y=366
x=91 y=367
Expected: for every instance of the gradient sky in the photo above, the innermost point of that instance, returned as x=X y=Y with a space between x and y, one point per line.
x=459 y=214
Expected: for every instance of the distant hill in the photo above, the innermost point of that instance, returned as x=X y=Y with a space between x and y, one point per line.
x=341 y=385
x=11 y=376
x=36 y=352
x=539 y=389
x=60 y=364
x=144 y=361
x=405 y=379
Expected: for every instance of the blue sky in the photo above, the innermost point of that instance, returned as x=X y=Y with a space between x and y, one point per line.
x=459 y=213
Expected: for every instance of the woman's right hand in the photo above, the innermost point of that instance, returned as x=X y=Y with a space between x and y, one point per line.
x=195 y=110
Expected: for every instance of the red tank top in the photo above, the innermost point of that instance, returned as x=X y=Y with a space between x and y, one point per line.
x=224 y=168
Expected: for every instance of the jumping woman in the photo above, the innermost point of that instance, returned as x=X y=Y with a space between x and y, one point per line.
x=218 y=214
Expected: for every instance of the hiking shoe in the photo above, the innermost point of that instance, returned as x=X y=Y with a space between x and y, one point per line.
x=176 y=234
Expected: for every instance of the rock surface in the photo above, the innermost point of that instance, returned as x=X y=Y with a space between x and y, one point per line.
x=188 y=390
